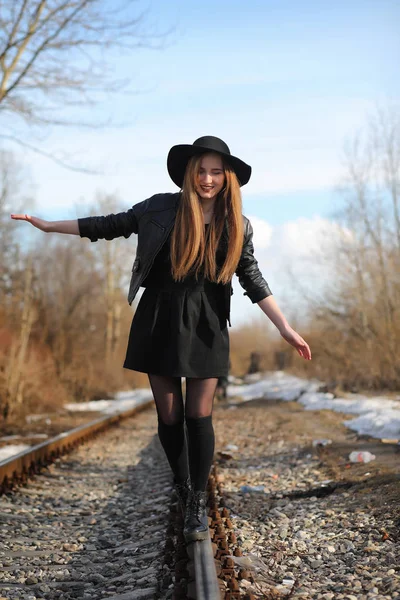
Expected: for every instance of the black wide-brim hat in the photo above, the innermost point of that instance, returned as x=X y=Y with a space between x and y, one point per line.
x=179 y=156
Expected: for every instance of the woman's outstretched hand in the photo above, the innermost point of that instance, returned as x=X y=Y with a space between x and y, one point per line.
x=70 y=226
x=35 y=221
x=295 y=340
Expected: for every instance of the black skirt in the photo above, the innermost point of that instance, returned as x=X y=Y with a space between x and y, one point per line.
x=179 y=332
x=179 y=329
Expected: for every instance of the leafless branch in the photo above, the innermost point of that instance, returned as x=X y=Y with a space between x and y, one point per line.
x=65 y=46
x=52 y=157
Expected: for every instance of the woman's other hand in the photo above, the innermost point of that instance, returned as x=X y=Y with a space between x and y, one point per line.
x=295 y=340
x=35 y=221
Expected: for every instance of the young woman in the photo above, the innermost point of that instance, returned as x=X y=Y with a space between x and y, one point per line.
x=189 y=246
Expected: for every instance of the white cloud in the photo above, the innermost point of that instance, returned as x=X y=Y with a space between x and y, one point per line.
x=262 y=232
x=292 y=258
x=288 y=150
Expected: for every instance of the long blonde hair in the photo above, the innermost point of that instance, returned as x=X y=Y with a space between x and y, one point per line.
x=190 y=249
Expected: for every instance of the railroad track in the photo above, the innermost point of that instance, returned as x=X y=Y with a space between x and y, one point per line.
x=102 y=521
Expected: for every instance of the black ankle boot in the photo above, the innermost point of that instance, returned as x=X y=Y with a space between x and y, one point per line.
x=182 y=493
x=196 y=521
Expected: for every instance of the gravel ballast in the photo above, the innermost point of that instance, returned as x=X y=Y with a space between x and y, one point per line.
x=92 y=525
x=312 y=524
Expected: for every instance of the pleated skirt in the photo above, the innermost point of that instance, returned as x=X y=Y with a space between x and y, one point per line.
x=180 y=331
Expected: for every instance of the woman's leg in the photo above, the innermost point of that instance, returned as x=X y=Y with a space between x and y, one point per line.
x=198 y=415
x=167 y=392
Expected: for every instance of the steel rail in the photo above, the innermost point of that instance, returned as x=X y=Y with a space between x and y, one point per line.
x=208 y=577
x=31 y=460
x=207 y=587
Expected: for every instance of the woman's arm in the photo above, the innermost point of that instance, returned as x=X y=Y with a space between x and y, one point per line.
x=269 y=306
x=95 y=228
x=106 y=227
x=251 y=279
x=271 y=309
x=70 y=226
x=247 y=271
x=112 y=226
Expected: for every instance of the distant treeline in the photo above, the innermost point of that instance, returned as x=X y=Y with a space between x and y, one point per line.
x=64 y=318
x=353 y=325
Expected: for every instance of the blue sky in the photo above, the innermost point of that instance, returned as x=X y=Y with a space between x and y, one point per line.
x=282 y=82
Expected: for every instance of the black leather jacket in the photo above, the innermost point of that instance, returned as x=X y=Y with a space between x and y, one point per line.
x=153 y=220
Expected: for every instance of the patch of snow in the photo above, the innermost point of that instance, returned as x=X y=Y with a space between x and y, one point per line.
x=35 y=418
x=356 y=406
x=31 y=436
x=275 y=385
x=379 y=423
x=12 y=449
x=122 y=401
x=378 y=417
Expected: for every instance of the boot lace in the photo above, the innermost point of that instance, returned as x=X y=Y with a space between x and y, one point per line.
x=199 y=505
x=182 y=489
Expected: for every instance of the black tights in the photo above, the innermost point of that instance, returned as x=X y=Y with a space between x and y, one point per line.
x=192 y=457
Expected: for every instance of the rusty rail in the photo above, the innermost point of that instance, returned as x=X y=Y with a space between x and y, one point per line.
x=215 y=576
x=207 y=587
x=19 y=467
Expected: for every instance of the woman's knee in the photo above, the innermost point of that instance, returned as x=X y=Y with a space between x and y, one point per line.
x=170 y=418
x=197 y=412
x=201 y=421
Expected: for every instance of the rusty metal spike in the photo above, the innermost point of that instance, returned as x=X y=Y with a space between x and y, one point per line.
x=233 y=585
x=244 y=574
x=228 y=562
x=223 y=544
x=216 y=517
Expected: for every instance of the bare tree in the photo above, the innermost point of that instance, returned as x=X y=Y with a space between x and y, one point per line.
x=115 y=261
x=359 y=317
x=15 y=372
x=57 y=52
x=385 y=140
x=17 y=312
x=65 y=278
x=13 y=195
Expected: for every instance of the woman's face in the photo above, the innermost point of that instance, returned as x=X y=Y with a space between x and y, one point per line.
x=211 y=177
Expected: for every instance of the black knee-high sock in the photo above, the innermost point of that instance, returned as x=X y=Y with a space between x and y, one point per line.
x=173 y=440
x=201 y=443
